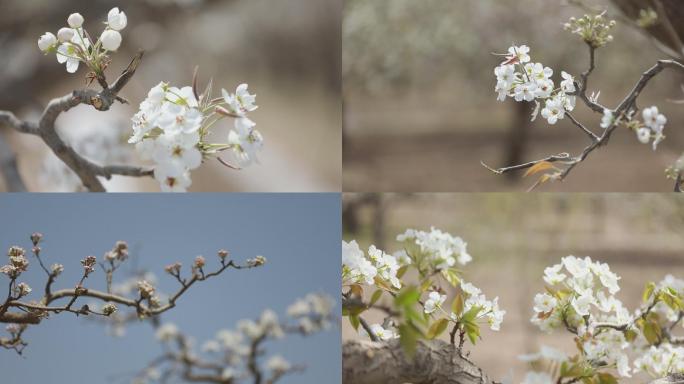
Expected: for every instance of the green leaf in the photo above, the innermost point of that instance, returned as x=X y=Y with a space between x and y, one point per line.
x=648 y=291
x=376 y=296
x=571 y=370
x=408 y=338
x=630 y=335
x=472 y=330
x=407 y=297
x=402 y=271
x=437 y=328
x=457 y=305
x=606 y=378
x=471 y=314
x=355 y=322
x=451 y=276
x=652 y=332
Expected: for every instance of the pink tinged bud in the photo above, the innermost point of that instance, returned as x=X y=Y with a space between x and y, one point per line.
x=36 y=237
x=199 y=261
x=222 y=253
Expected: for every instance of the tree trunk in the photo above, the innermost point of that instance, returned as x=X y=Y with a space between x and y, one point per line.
x=435 y=362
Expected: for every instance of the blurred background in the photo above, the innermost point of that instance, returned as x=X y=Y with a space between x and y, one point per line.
x=420 y=111
x=287 y=50
x=513 y=237
x=161 y=230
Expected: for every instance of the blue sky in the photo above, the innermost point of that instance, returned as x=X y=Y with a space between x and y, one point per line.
x=299 y=234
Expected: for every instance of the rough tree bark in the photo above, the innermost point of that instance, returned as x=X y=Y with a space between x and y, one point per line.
x=435 y=362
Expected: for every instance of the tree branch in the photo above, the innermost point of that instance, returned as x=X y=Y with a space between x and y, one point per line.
x=86 y=170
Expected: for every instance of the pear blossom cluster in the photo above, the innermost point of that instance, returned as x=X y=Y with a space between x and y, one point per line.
x=440 y=249
x=231 y=348
x=519 y=78
x=172 y=126
x=357 y=267
x=661 y=361
x=590 y=288
x=654 y=124
x=73 y=44
x=580 y=297
x=486 y=309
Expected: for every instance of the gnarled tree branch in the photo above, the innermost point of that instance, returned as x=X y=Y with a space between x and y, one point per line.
x=44 y=128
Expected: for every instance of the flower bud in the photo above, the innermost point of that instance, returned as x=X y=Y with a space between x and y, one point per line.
x=65 y=34
x=146 y=289
x=36 y=250
x=36 y=237
x=46 y=41
x=257 y=261
x=173 y=269
x=75 y=20
x=111 y=40
x=116 y=20
x=108 y=309
x=222 y=253
x=199 y=262
x=57 y=269
x=22 y=289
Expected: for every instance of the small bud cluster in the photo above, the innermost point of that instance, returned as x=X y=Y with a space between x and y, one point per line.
x=173 y=124
x=118 y=253
x=222 y=254
x=594 y=30
x=256 y=262
x=18 y=262
x=89 y=265
x=108 y=309
x=146 y=289
x=173 y=269
x=22 y=289
x=73 y=44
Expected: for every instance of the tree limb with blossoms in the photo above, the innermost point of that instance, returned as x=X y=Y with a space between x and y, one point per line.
x=141 y=297
x=523 y=80
x=579 y=298
x=611 y=341
x=239 y=355
x=171 y=128
x=410 y=288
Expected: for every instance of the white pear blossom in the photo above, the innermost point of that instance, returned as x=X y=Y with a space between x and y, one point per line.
x=246 y=141
x=172 y=177
x=167 y=332
x=520 y=53
x=543 y=302
x=355 y=267
x=66 y=53
x=241 y=101
x=608 y=119
x=116 y=19
x=382 y=333
x=568 y=83
x=434 y=301
x=278 y=364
